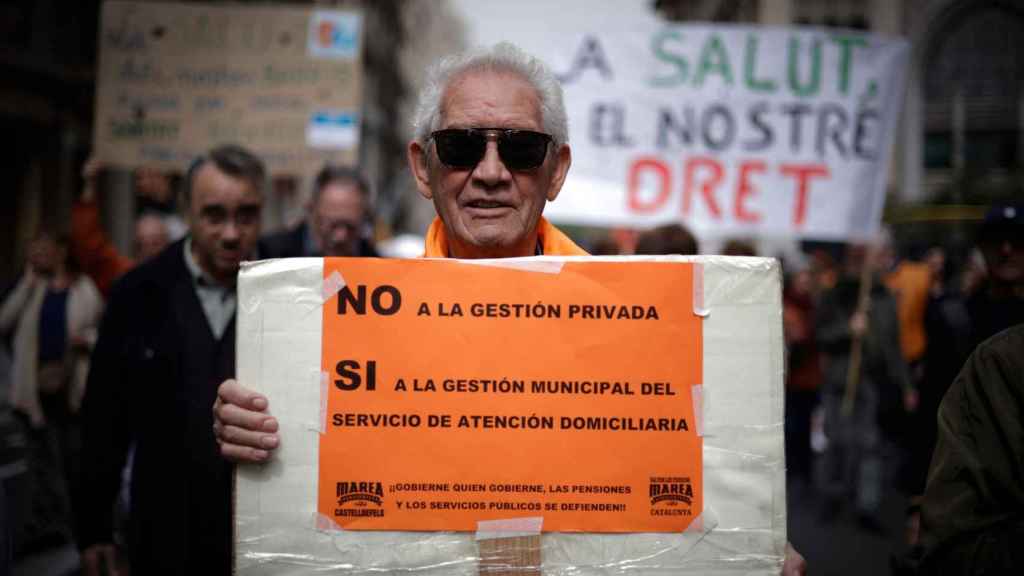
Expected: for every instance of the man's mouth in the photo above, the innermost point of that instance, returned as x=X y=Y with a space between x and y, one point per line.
x=486 y=204
x=230 y=255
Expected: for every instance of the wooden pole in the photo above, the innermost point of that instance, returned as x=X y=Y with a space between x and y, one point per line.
x=853 y=370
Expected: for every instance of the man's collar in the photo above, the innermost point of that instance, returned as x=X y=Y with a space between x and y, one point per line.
x=310 y=246
x=551 y=241
x=199 y=276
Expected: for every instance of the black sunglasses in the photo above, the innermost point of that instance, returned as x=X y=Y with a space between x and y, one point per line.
x=465 y=147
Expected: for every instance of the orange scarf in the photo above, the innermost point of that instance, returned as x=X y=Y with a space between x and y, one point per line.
x=553 y=242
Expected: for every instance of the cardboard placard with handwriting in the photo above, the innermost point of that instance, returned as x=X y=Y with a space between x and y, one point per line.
x=458 y=393
x=175 y=80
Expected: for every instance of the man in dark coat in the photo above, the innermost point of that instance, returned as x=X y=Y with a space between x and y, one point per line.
x=853 y=460
x=337 y=220
x=972 y=513
x=167 y=340
x=999 y=303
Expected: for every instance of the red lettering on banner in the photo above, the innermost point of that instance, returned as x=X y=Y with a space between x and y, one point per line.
x=636 y=204
x=745 y=189
x=704 y=176
x=707 y=188
x=803 y=174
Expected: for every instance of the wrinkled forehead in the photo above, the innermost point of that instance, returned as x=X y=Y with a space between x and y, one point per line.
x=491 y=98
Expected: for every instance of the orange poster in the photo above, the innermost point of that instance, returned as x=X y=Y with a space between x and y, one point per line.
x=459 y=392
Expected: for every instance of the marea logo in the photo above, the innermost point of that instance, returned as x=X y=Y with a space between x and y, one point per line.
x=359 y=493
x=356 y=498
x=334 y=35
x=671 y=496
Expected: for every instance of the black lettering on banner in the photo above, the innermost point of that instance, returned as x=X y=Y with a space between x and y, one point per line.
x=721 y=138
x=608 y=125
x=863 y=134
x=351 y=379
x=796 y=113
x=668 y=125
x=590 y=55
x=381 y=305
x=829 y=129
x=756 y=115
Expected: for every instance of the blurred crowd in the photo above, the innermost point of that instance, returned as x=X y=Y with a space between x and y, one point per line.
x=874 y=337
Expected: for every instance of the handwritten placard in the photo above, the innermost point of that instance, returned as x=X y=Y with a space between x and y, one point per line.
x=175 y=80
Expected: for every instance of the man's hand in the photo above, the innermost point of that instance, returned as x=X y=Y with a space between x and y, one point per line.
x=245 y=430
x=100 y=560
x=911 y=400
x=858 y=323
x=794 y=564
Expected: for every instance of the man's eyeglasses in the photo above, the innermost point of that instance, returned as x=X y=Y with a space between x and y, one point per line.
x=465 y=147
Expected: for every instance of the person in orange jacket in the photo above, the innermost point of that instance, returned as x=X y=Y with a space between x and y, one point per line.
x=96 y=254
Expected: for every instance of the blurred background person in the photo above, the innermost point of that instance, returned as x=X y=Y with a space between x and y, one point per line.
x=803 y=369
x=739 y=247
x=338 y=220
x=667 y=239
x=973 y=506
x=52 y=315
x=998 y=302
x=604 y=246
x=947 y=332
x=96 y=254
x=909 y=281
x=858 y=313
x=957 y=322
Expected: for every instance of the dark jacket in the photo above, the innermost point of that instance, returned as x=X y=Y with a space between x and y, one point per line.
x=154 y=376
x=293 y=243
x=972 y=514
x=882 y=365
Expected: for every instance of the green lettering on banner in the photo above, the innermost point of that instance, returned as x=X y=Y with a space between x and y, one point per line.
x=846 y=45
x=677 y=61
x=813 y=85
x=713 y=58
x=750 y=69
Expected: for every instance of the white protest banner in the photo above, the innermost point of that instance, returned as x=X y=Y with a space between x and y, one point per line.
x=734 y=130
x=175 y=80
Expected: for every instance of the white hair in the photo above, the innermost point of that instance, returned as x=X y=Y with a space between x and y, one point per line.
x=502 y=57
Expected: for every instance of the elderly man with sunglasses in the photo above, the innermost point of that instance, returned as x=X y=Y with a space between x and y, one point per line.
x=490 y=150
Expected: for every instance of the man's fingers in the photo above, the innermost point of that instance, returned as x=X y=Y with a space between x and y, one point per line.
x=237 y=453
x=231 y=415
x=231 y=392
x=250 y=438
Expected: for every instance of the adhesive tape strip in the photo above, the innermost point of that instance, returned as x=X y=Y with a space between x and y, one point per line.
x=326 y=524
x=511 y=528
x=697 y=395
x=325 y=382
x=332 y=285
x=698 y=290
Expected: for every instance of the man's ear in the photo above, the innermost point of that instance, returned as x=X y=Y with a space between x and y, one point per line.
x=563 y=159
x=417 y=156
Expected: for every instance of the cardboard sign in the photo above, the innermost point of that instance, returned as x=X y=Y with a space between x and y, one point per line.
x=175 y=80
x=565 y=395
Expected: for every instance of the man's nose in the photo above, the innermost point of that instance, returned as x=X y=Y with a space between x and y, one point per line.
x=230 y=231
x=339 y=234
x=491 y=170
